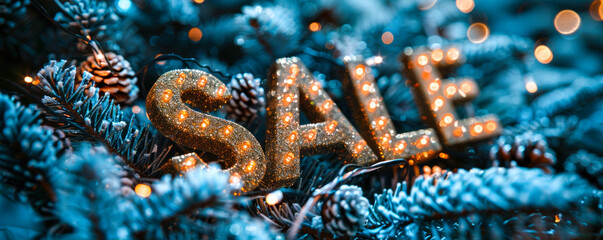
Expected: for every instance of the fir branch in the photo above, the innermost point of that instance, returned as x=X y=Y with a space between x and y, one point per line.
x=472 y=193
x=89 y=196
x=84 y=115
x=28 y=151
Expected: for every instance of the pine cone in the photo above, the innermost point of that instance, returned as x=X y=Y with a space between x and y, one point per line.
x=61 y=139
x=117 y=79
x=247 y=98
x=526 y=150
x=88 y=17
x=11 y=11
x=344 y=212
x=587 y=165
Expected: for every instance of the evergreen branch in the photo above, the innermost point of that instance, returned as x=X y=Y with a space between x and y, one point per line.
x=28 y=151
x=84 y=115
x=472 y=193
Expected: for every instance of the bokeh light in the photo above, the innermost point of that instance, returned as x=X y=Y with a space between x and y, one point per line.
x=426 y=4
x=543 y=54
x=199 y=1
x=465 y=6
x=143 y=190
x=567 y=22
x=387 y=37
x=531 y=86
x=314 y=27
x=478 y=32
x=195 y=34
x=596 y=10
x=28 y=79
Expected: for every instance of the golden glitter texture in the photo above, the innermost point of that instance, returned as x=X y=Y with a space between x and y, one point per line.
x=291 y=86
x=183 y=163
x=171 y=116
x=436 y=103
x=374 y=121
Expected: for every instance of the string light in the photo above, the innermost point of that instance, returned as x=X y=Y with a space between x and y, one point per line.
x=250 y=166
x=204 y=123
x=327 y=105
x=543 y=54
x=288 y=99
x=450 y=90
x=387 y=38
x=288 y=157
x=359 y=71
x=422 y=60
x=227 y=130
x=143 y=190
x=287 y=117
x=245 y=145
x=359 y=146
x=490 y=126
x=181 y=78
x=373 y=104
x=478 y=33
x=314 y=27
x=366 y=88
x=195 y=34
x=452 y=55
x=28 y=79
x=567 y=22
x=292 y=137
x=311 y=135
x=330 y=128
x=274 y=197
x=477 y=129
x=400 y=146
x=465 y=6
x=221 y=90
x=136 y=109
x=182 y=115
x=437 y=55
x=202 y=81
x=531 y=86
x=167 y=95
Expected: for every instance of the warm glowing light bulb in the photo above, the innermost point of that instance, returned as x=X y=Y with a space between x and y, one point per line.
x=465 y=6
x=478 y=33
x=596 y=10
x=245 y=145
x=311 y=135
x=181 y=78
x=400 y=146
x=452 y=55
x=386 y=138
x=315 y=87
x=327 y=105
x=422 y=60
x=531 y=86
x=465 y=87
x=359 y=146
x=437 y=55
x=567 y=22
x=490 y=126
x=202 y=81
x=438 y=103
x=235 y=178
x=28 y=79
x=458 y=132
x=366 y=88
x=274 y=197
x=450 y=90
x=288 y=99
x=443 y=155
x=446 y=120
x=378 y=59
x=373 y=104
x=287 y=117
x=204 y=123
x=381 y=122
x=143 y=190
x=330 y=128
x=434 y=86
x=294 y=70
x=195 y=34
x=387 y=38
x=290 y=81
x=477 y=129
x=292 y=137
x=136 y=109
x=288 y=158
x=314 y=27
x=199 y=1
x=423 y=141
x=543 y=54
x=182 y=115
x=227 y=130
x=250 y=166
x=167 y=95
x=359 y=71
x=221 y=90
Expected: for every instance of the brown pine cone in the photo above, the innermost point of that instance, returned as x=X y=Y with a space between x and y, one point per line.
x=61 y=139
x=526 y=150
x=247 y=98
x=116 y=78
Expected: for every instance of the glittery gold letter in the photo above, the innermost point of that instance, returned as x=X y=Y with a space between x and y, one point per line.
x=375 y=123
x=172 y=117
x=435 y=97
x=290 y=84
